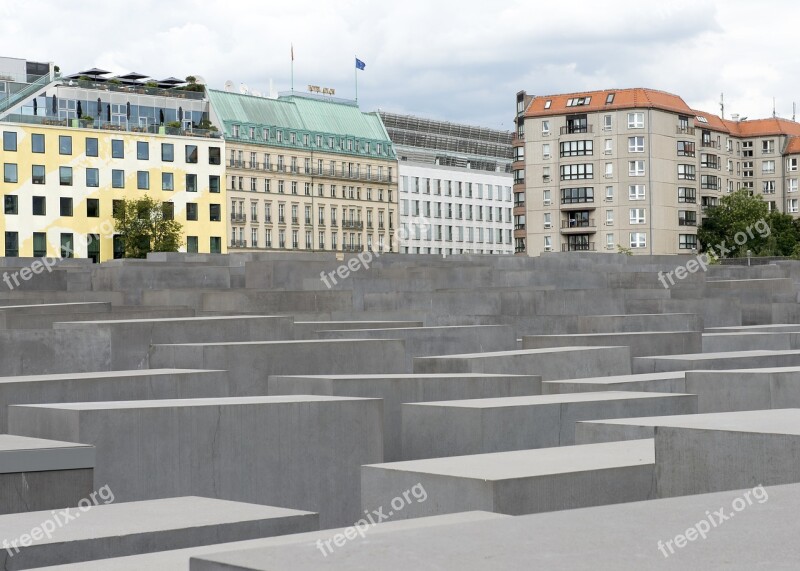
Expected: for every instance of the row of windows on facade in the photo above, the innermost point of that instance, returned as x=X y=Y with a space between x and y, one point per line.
x=635 y=120
x=438 y=187
x=439 y=233
x=91 y=148
x=39 y=208
x=635 y=192
x=450 y=251
x=348 y=169
x=92 y=178
x=685 y=149
x=238 y=214
x=636 y=240
x=238 y=240
x=353 y=192
x=277 y=135
x=585 y=171
x=458 y=211
x=581 y=219
x=67 y=245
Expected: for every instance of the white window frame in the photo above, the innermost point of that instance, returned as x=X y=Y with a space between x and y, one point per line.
x=637 y=216
x=636 y=192
x=633 y=168
x=636 y=120
x=638 y=240
x=546 y=127
x=791 y=205
x=636 y=144
x=607 y=122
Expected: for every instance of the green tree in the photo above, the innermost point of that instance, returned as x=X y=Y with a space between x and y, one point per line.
x=736 y=213
x=146 y=225
x=784 y=235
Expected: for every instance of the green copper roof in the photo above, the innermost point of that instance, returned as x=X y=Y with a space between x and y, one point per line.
x=298 y=113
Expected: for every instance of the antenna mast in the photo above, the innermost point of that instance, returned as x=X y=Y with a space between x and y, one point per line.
x=722 y=104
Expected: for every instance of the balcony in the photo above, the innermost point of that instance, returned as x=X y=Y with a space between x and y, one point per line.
x=709 y=144
x=238 y=217
x=352 y=225
x=238 y=244
x=578 y=247
x=519 y=226
x=519 y=249
x=123 y=126
x=519 y=203
x=578 y=226
x=679 y=130
x=517 y=138
x=576 y=129
x=352 y=248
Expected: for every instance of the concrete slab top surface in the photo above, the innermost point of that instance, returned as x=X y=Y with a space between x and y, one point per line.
x=754 y=371
x=20 y=454
x=55 y=305
x=420 y=328
x=117 y=519
x=624 y=378
x=9 y=442
x=268 y=343
x=620 y=537
x=775 y=421
x=172 y=403
x=175 y=319
x=533 y=400
x=611 y=333
x=178 y=559
x=410 y=376
x=529 y=463
x=104 y=375
x=546 y=350
x=724 y=355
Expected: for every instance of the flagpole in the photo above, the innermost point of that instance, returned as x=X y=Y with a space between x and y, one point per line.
x=292 y=68
x=355 y=70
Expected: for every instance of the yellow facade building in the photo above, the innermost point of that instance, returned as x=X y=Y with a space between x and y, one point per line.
x=61 y=181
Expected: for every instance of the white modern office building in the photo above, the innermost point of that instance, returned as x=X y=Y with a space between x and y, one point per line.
x=455 y=187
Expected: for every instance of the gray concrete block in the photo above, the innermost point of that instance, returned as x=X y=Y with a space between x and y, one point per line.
x=443 y=340
x=41 y=352
x=622 y=537
x=146 y=384
x=728 y=451
x=308 y=329
x=640 y=342
x=131 y=339
x=515 y=483
x=477 y=426
x=178 y=559
x=38 y=474
x=717 y=361
x=406 y=388
x=268 y=450
x=670 y=382
x=550 y=364
x=745 y=389
x=251 y=363
x=750 y=341
x=101 y=530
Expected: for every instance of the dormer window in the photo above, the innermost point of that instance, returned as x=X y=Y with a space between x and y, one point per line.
x=610 y=98
x=548 y=103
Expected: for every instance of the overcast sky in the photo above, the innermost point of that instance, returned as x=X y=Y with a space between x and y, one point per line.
x=458 y=61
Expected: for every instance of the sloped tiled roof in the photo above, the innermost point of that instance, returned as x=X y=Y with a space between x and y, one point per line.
x=793 y=146
x=636 y=98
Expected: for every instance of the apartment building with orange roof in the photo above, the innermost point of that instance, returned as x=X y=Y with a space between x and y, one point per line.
x=637 y=168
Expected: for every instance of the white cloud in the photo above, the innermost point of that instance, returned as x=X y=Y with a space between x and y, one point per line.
x=460 y=61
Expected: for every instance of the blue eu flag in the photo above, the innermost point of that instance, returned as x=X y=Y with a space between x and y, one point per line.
x=360 y=64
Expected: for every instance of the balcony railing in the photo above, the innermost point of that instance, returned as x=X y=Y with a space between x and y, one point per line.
x=352 y=225
x=123 y=126
x=519 y=203
x=576 y=129
x=519 y=226
x=578 y=247
x=684 y=130
x=352 y=248
x=517 y=138
x=254 y=217
x=295 y=220
x=238 y=244
x=238 y=217
x=710 y=144
x=578 y=223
